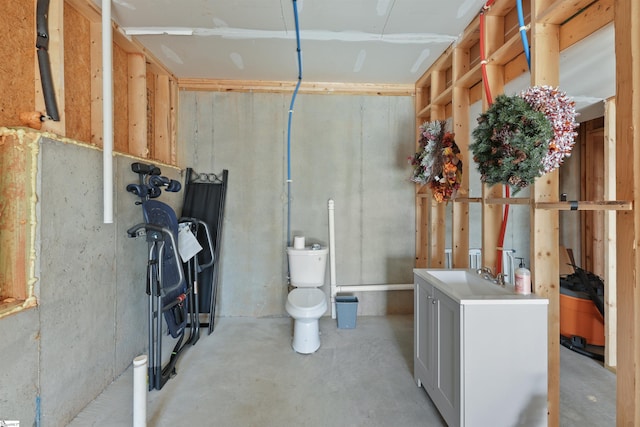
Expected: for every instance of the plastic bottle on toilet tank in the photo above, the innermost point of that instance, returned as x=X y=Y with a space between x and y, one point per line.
x=522 y=279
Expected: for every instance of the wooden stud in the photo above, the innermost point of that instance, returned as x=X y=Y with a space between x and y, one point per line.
x=96 y=84
x=460 y=216
x=77 y=69
x=162 y=125
x=610 y=257
x=545 y=61
x=438 y=216
x=564 y=24
x=137 y=105
x=422 y=211
x=627 y=35
x=492 y=214
x=173 y=125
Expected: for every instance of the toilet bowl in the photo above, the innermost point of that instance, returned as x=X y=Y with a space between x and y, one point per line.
x=306 y=306
x=307 y=303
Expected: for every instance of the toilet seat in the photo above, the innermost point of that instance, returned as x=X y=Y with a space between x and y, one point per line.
x=306 y=303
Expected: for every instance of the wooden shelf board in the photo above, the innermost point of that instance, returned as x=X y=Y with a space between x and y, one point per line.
x=471 y=77
x=444 y=98
x=581 y=205
x=425 y=111
x=508 y=51
x=305 y=87
x=467 y=200
x=508 y=201
x=561 y=10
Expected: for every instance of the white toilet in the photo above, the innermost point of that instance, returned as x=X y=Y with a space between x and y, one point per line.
x=307 y=303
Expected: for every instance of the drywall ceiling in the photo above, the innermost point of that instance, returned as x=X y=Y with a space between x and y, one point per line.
x=348 y=41
x=342 y=41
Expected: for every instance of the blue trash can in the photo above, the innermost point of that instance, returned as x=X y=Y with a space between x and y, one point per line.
x=346 y=311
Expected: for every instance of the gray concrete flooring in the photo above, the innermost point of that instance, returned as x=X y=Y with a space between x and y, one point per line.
x=246 y=374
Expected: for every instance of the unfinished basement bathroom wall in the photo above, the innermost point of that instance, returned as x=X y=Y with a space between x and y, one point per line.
x=350 y=148
x=88 y=280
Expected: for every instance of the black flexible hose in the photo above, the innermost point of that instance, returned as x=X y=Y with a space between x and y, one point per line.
x=42 y=44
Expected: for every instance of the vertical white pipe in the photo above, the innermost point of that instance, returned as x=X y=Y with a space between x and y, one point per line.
x=140 y=391
x=107 y=112
x=332 y=257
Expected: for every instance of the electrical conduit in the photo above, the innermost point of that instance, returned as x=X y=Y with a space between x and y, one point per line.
x=293 y=100
x=523 y=33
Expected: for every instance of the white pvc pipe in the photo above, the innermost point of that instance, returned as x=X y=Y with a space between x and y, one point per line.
x=332 y=257
x=351 y=288
x=384 y=287
x=107 y=112
x=140 y=391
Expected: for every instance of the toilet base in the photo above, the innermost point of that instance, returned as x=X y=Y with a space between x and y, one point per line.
x=306 y=336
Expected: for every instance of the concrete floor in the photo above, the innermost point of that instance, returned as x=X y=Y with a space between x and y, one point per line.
x=245 y=374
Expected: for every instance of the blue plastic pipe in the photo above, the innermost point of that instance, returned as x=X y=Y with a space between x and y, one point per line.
x=293 y=100
x=523 y=33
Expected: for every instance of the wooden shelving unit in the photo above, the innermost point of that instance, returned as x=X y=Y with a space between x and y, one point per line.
x=557 y=25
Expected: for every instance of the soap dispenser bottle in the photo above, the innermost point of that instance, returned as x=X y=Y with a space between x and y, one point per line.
x=522 y=279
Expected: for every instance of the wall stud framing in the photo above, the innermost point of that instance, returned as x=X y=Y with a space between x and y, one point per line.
x=627 y=34
x=550 y=32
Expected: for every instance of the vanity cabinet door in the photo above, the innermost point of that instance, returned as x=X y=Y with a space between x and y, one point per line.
x=446 y=395
x=424 y=331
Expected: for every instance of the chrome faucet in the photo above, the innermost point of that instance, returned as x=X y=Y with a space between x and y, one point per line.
x=485 y=273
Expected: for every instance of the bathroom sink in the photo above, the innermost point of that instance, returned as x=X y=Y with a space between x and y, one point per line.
x=466 y=284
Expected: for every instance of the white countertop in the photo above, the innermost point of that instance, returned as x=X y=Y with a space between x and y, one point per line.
x=467 y=287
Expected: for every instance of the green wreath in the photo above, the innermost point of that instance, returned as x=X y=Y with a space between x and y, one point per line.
x=511 y=141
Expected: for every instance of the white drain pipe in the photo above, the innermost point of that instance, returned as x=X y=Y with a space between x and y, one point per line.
x=332 y=257
x=107 y=113
x=335 y=289
x=140 y=391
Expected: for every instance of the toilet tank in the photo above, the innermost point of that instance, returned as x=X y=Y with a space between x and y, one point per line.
x=307 y=266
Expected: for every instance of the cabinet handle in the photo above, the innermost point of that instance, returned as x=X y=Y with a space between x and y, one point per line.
x=433 y=301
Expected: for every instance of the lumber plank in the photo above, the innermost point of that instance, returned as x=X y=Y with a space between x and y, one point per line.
x=137 y=98
x=326 y=88
x=461 y=129
x=610 y=257
x=544 y=238
x=627 y=35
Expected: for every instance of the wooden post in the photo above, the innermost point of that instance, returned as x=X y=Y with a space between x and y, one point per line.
x=137 y=108
x=492 y=214
x=422 y=210
x=438 y=214
x=173 y=121
x=627 y=33
x=610 y=262
x=460 y=220
x=545 y=61
x=161 y=120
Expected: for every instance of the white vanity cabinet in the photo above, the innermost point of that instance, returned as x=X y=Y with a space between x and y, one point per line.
x=480 y=350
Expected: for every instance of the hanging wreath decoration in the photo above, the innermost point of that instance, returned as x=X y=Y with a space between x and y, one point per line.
x=522 y=137
x=438 y=162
